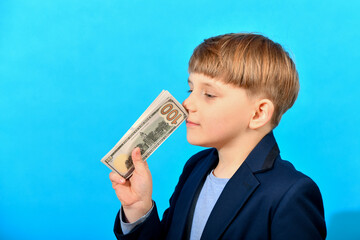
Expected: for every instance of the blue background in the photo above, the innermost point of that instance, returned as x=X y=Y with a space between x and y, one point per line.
x=75 y=75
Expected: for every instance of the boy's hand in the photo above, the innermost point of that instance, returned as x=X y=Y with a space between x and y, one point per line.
x=135 y=194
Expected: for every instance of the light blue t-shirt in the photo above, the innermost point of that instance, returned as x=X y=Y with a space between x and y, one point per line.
x=209 y=194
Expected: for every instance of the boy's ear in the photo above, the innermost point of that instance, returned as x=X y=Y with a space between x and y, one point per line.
x=264 y=109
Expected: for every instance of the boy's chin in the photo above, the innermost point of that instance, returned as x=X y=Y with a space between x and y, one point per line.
x=198 y=142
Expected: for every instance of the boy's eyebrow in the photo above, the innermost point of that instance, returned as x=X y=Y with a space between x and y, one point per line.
x=208 y=84
x=205 y=83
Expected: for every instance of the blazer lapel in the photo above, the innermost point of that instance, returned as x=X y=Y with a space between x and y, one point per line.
x=181 y=224
x=240 y=187
x=236 y=192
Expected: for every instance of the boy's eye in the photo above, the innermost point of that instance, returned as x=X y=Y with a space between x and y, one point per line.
x=209 y=95
x=189 y=91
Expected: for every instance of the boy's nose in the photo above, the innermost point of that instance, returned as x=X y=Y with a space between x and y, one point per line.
x=188 y=104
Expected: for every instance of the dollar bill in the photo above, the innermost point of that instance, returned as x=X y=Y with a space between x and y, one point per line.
x=151 y=129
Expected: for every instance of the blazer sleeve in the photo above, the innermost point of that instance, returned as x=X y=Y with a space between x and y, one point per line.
x=149 y=229
x=300 y=213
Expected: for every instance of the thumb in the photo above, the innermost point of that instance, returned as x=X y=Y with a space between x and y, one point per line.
x=138 y=162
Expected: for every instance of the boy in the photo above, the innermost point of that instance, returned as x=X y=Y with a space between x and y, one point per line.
x=239 y=188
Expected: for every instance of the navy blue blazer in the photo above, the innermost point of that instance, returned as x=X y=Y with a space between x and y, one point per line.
x=265 y=199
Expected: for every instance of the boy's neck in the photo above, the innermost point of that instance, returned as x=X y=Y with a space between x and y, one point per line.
x=234 y=154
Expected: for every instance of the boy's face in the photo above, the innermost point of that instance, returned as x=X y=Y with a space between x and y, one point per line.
x=219 y=113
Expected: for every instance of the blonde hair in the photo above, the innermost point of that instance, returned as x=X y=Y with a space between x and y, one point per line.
x=252 y=62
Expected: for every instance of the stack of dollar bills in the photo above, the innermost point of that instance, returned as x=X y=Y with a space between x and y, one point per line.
x=155 y=125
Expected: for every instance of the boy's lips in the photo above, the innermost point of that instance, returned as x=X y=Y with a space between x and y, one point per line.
x=191 y=124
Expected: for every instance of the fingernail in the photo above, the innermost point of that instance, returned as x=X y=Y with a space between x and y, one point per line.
x=137 y=151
